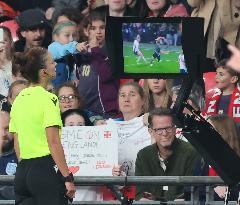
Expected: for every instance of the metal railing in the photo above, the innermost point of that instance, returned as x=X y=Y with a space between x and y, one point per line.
x=192 y=181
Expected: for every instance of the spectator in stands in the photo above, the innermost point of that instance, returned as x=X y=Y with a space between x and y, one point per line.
x=117 y=8
x=32 y=30
x=69 y=14
x=229 y=131
x=221 y=22
x=161 y=8
x=65 y=44
x=75 y=117
x=6 y=52
x=8 y=159
x=4 y=105
x=15 y=88
x=167 y=157
x=225 y=99
x=157 y=92
x=69 y=97
x=131 y=101
x=36 y=136
x=6 y=140
x=94 y=71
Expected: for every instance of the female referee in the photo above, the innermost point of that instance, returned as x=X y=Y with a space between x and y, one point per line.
x=42 y=176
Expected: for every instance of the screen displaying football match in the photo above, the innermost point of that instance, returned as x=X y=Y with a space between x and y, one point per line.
x=153 y=48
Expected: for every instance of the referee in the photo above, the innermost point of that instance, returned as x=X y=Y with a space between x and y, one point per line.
x=42 y=176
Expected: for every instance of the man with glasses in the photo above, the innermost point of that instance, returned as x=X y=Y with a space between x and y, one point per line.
x=169 y=156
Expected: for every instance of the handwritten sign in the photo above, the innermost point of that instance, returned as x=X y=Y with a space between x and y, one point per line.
x=133 y=135
x=90 y=151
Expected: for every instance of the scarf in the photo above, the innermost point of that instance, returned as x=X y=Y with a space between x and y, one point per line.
x=233 y=107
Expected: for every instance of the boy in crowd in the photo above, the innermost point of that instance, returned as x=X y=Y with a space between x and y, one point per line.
x=226 y=99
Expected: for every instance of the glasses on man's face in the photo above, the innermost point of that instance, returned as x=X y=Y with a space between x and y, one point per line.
x=159 y=131
x=69 y=98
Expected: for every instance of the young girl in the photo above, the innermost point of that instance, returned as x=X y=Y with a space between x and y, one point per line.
x=98 y=87
x=157 y=92
x=75 y=117
x=136 y=49
x=64 y=44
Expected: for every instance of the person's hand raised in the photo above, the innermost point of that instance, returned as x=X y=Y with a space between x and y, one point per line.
x=234 y=61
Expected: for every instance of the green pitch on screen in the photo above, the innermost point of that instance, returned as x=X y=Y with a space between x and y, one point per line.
x=168 y=64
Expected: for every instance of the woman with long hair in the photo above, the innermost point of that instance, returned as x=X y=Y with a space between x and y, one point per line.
x=157 y=92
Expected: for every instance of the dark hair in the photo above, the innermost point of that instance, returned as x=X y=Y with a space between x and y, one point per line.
x=223 y=64
x=80 y=112
x=72 y=14
x=160 y=112
x=15 y=83
x=75 y=91
x=93 y=16
x=18 y=57
x=33 y=60
x=144 y=9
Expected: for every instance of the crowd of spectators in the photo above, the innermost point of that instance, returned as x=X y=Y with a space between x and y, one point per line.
x=88 y=93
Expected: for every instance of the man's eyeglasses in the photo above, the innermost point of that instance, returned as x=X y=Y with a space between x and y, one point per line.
x=159 y=131
x=69 y=98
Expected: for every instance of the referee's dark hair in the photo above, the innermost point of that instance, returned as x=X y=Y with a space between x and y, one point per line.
x=31 y=62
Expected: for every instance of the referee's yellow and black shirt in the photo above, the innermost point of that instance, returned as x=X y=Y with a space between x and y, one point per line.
x=32 y=112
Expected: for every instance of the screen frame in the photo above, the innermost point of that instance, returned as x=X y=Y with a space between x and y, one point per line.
x=192 y=34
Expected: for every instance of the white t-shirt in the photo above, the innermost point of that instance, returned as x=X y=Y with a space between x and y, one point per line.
x=5 y=78
x=135 y=46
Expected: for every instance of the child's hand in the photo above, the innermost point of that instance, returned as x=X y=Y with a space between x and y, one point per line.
x=82 y=47
x=93 y=42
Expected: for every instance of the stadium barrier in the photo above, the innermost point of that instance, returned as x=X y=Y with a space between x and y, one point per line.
x=193 y=181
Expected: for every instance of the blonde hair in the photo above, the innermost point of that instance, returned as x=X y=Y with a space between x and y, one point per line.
x=149 y=96
x=228 y=130
x=61 y=25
